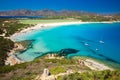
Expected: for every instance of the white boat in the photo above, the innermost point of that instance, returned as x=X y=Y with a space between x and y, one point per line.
x=102 y=42
x=96 y=49
x=86 y=44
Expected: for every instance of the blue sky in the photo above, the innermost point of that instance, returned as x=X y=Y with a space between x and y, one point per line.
x=99 y=6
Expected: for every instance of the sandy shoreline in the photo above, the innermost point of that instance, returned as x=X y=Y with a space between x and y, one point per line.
x=43 y=26
x=51 y=25
x=94 y=65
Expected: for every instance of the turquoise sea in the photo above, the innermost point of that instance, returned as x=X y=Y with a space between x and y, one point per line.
x=96 y=40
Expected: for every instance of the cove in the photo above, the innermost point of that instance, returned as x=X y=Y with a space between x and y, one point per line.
x=98 y=40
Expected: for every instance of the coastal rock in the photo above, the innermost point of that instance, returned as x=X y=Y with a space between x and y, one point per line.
x=45 y=76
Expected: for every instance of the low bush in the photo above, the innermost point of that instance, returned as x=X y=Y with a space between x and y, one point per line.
x=57 y=70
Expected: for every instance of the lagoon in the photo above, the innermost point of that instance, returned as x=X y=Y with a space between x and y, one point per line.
x=96 y=40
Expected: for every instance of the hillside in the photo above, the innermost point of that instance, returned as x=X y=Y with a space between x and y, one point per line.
x=61 y=14
x=57 y=67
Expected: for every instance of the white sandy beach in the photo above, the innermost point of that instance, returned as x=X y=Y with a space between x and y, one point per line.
x=50 y=25
x=44 y=25
x=94 y=65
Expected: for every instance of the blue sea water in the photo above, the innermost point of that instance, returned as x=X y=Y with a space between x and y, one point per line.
x=83 y=37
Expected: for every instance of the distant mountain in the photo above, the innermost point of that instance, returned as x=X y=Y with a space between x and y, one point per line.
x=62 y=14
x=45 y=12
x=16 y=13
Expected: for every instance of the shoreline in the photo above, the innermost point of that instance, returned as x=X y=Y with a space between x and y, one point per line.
x=95 y=65
x=52 y=25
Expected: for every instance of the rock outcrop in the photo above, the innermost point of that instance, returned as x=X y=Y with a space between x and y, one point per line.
x=45 y=76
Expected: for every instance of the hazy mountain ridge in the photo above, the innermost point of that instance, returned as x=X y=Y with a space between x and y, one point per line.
x=63 y=14
x=28 y=13
x=45 y=12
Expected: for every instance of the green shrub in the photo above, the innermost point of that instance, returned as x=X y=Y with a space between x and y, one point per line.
x=6 y=69
x=93 y=75
x=52 y=60
x=57 y=70
x=61 y=61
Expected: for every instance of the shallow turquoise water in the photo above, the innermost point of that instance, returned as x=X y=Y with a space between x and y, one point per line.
x=83 y=37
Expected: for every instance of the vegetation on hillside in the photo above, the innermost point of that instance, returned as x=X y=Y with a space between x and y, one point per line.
x=5 y=46
x=7 y=28
x=86 y=17
x=93 y=75
x=57 y=70
x=36 y=67
x=10 y=26
x=29 y=70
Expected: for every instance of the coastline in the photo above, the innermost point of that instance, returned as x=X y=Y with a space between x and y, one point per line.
x=51 y=25
x=95 y=65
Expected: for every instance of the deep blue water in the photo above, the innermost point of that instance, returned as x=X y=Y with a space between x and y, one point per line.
x=83 y=37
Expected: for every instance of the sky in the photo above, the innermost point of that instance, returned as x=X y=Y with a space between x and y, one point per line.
x=97 y=6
